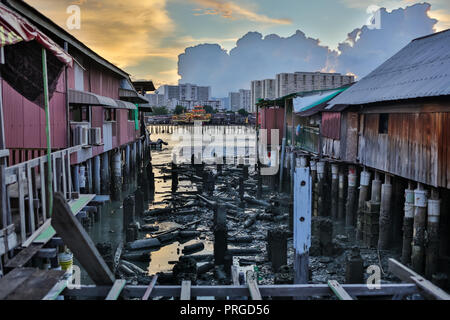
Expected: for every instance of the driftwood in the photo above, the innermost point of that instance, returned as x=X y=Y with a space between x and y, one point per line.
x=243 y=251
x=246 y=239
x=144 y=244
x=179 y=228
x=133 y=267
x=193 y=248
x=127 y=271
x=199 y=257
x=189 y=234
x=250 y=221
x=117 y=256
x=159 y=211
x=140 y=257
x=149 y=227
x=205 y=268
x=252 y=200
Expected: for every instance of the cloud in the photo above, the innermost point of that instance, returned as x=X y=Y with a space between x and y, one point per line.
x=124 y=32
x=257 y=57
x=231 y=10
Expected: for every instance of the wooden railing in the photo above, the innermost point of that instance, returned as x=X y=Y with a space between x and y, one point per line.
x=27 y=190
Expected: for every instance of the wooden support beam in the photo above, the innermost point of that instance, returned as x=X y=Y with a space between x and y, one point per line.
x=253 y=286
x=338 y=290
x=79 y=242
x=150 y=287
x=185 y=291
x=407 y=275
x=116 y=290
x=24 y=256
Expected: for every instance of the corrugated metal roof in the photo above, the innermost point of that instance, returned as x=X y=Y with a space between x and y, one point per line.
x=92 y=99
x=305 y=103
x=421 y=69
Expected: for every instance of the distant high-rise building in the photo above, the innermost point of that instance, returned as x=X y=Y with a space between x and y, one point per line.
x=288 y=83
x=256 y=95
x=234 y=101
x=156 y=100
x=178 y=95
x=245 y=99
x=269 y=89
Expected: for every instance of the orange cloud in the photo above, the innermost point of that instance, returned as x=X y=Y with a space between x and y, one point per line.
x=231 y=10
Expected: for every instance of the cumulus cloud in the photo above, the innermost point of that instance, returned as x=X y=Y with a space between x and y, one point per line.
x=231 y=10
x=258 y=57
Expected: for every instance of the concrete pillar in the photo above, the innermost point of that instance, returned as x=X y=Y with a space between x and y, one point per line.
x=105 y=188
x=128 y=212
x=320 y=189
x=432 y=247
x=315 y=196
x=408 y=226
x=363 y=194
x=90 y=185
x=341 y=195
x=96 y=175
x=127 y=161
x=277 y=248
x=351 y=197
x=138 y=202
x=372 y=214
x=220 y=235
x=334 y=190
x=354 y=267
x=116 y=175
x=385 y=222
x=76 y=178
x=420 y=220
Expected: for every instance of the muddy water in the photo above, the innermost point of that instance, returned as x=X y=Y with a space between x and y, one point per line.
x=109 y=227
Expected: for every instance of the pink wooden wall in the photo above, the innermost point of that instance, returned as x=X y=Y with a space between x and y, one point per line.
x=25 y=121
x=272 y=119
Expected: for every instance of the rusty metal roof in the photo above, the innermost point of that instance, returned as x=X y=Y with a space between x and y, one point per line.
x=421 y=69
x=77 y=97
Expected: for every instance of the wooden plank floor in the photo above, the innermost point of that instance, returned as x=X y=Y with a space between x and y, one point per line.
x=28 y=283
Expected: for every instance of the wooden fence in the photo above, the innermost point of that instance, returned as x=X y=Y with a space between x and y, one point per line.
x=27 y=207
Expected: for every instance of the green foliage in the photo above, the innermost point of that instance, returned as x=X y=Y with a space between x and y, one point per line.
x=160 y=111
x=243 y=113
x=179 y=110
x=209 y=109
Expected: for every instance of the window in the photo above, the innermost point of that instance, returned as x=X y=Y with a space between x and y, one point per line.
x=130 y=115
x=383 y=127
x=79 y=113
x=110 y=114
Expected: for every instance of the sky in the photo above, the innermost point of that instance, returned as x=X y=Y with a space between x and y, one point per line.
x=163 y=40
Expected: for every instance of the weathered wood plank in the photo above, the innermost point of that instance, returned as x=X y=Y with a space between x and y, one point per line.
x=37 y=286
x=24 y=256
x=150 y=287
x=43 y=188
x=20 y=190
x=116 y=290
x=407 y=275
x=266 y=290
x=79 y=242
x=338 y=290
x=32 y=226
x=185 y=294
x=13 y=280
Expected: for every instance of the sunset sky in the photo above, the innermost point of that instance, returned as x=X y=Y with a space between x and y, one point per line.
x=146 y=37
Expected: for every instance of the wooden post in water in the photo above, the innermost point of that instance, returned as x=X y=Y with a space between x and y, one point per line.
x=105 y=188
x=432 y=248
x=408 y=225
x=420 y=220
x=220 y=235
x=363 y=194
x=385 y=214
x=334 y=190
x=351 y=197
x=302 y=224
x=341 y=199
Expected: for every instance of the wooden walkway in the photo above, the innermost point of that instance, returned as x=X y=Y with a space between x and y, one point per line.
x=29 y=283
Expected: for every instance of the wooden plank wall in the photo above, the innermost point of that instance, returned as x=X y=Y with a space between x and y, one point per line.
x=416 y=146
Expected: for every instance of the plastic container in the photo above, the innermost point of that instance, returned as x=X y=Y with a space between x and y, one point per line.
x=434 y=210
x=65 y=260
x=365 y=178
